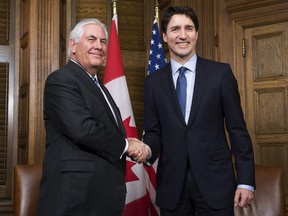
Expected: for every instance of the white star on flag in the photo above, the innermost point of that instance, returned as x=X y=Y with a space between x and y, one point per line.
x=157 y=56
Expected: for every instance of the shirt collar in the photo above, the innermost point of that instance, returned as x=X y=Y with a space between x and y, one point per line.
x=84 y=69
x=190 y=64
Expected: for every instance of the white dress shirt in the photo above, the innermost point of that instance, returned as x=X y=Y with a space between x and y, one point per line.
x=190 y=76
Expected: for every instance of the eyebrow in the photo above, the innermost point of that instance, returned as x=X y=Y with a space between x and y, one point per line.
x=92 y=36
x=186 y=26
x=189 y=26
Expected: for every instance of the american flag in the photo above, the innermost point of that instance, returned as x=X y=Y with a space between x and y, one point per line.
x=157 y=56
x=157 y=60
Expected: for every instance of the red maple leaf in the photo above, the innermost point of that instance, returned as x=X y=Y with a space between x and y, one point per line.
x=130 y=130
x=130 y=175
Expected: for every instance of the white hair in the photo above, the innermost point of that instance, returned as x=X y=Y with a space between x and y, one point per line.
x=77 y=32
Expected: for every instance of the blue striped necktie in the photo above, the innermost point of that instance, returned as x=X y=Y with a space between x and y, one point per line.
x=181 y=89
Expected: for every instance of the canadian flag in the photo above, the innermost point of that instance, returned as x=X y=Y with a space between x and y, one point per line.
x=140 y=179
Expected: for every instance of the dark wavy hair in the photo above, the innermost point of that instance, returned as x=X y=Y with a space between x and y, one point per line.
x=188 y=11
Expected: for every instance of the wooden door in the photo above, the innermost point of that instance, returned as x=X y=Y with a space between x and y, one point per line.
x=266 y=89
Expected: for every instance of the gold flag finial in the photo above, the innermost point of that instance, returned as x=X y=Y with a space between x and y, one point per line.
x=156 y=11
x=114 y=7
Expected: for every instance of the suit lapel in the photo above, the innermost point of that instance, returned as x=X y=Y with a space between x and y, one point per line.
x=199 y=86
x=115 y=108
x=168 y=85
x=82 y=75
x=92 y=87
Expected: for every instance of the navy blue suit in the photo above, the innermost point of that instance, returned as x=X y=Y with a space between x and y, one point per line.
x=201 y=143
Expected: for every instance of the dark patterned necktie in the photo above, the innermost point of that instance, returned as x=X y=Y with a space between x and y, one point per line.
x=96 y=81
x=106 y=98
x=181 y=89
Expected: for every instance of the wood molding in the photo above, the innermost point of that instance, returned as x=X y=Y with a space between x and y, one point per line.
x=267 y=10
x=241 y=5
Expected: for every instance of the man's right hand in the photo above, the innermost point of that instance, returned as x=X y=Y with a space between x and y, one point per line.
x=137 y=150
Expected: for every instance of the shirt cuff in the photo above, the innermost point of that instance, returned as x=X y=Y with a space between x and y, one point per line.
x=150 y=155
x=248 y=187
x=125 y=149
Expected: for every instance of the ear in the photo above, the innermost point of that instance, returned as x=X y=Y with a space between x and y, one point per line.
x=72 y=46
x=164 y=37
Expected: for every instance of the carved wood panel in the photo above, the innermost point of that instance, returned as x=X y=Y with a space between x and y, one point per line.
x=266 y=88
x=260 y=64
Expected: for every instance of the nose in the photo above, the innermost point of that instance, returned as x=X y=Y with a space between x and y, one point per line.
x=182 y=33
x=97 y=44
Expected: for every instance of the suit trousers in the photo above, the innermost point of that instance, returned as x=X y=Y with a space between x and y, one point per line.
x=192 y=203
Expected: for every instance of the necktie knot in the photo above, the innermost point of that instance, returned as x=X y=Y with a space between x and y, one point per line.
x=182 y=70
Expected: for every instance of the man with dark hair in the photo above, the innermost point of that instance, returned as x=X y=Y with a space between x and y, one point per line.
x=188 y=105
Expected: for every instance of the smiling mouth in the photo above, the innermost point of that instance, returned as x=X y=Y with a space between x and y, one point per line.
x=97 y=55
x=182 y=43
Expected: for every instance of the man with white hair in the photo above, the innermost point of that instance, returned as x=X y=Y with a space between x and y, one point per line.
x=84 y=162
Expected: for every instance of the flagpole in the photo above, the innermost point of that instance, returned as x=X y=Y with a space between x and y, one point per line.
x=114 y=7
x=157 y=12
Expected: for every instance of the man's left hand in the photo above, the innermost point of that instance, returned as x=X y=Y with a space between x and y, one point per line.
x=243 y=197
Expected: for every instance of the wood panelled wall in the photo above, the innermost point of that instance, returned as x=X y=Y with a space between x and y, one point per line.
x=39 y=55
x=41 y=30
x=259 y=30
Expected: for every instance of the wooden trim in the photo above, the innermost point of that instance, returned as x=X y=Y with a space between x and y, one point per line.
x=33 y=28
x=268 y=12
x=242 y=5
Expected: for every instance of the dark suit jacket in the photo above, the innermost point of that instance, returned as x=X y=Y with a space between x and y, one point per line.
x=82 y=170
x=202 y=142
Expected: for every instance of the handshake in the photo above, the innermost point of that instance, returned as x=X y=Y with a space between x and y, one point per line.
x=137 y=150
